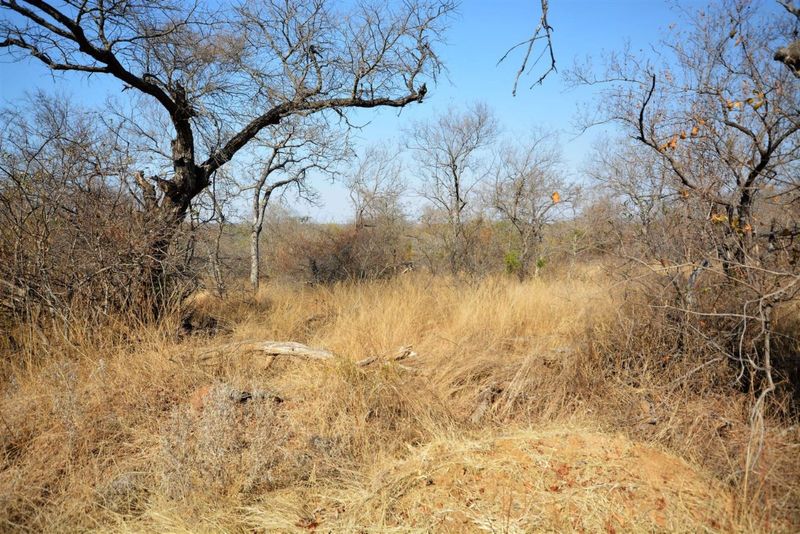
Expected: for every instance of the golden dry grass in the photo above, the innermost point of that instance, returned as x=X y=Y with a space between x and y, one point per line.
x=551 y=480
x=144 y=432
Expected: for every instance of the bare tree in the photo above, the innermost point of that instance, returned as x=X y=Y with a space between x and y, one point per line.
x=724 y=119
x=448 y=149
x=376 y=186
x=528 y=192
x=284 y=157
x=208 y=213
x=232 y=71
x=376 y=190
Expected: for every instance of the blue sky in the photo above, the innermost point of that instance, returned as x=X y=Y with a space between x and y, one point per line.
x=478 y=38
x=479 y=35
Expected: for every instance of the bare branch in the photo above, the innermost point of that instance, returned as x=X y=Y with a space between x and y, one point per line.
x=543 y=32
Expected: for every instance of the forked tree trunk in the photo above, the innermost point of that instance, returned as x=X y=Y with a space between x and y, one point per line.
x=158 y=276
x=260 y=202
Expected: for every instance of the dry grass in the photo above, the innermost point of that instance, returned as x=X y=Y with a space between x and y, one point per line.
x=144 y=432
x=552 y=480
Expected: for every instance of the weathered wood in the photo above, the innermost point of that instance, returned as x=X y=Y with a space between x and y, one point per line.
x=292 y=348
x=287 y=348
x=268 y=348
x=404 y=353
x=366 y=361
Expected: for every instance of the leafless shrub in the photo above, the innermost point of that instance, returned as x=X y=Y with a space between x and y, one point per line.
x=71 y=233
x=333 y=253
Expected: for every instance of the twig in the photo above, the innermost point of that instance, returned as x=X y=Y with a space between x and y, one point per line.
x=547 y=30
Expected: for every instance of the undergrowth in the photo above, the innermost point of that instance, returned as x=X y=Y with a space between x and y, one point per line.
x=143 y=429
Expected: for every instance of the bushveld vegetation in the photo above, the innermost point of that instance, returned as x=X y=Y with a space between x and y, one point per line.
x=519 y=353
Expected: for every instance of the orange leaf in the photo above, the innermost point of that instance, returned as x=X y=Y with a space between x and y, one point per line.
x=673 y=143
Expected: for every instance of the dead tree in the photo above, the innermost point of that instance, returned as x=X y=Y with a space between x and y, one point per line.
x=542 y=33
x=376 y=187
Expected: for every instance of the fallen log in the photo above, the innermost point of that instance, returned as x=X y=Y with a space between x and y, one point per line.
x=292 y=348
x=289 y=348
x=269 y=348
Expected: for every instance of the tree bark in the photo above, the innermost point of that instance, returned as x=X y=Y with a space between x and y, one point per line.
x=255 y=258
x=260 y=201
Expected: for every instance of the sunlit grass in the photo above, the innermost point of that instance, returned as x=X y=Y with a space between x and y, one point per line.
x=138 y=430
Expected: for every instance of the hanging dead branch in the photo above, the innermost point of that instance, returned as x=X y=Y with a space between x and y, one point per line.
x=543 y=32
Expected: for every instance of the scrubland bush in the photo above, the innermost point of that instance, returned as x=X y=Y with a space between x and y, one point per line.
x=73 y=238
x=653 y=323
x=331 y=253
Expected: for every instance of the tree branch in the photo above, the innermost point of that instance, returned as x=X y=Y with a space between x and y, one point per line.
x=281 y=111
x=543 y=31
